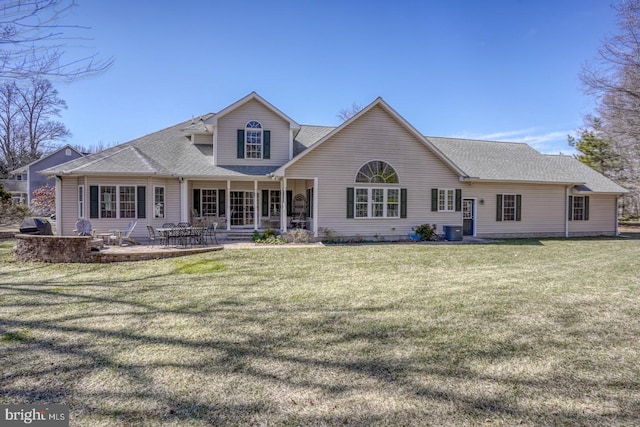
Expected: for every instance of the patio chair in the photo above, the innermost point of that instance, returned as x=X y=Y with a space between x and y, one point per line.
x=121 y=236
x=210 y=233
x=83 y=228
x=154 y=237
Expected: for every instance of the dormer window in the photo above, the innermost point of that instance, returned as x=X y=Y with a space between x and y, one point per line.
x=254 y=142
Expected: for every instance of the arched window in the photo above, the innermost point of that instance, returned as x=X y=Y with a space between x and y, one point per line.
x=377 y=172
x=377 y=201
x=253 y=140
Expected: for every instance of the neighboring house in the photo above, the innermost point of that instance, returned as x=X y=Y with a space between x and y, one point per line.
x=24 y=180
x=250 y=166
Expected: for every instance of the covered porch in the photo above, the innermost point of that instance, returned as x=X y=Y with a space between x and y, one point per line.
x=245 y=204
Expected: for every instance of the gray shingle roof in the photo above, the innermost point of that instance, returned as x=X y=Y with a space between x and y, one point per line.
x=507 y=161
x=170 y=152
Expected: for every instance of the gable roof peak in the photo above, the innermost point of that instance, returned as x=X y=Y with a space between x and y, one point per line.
x=253 y=96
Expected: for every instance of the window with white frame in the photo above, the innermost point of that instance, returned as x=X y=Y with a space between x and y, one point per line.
x=81 y=201
x=108 y=201
x=158 y=202
x=379 y=201
x=579 y=208
x=209 y=202
x=446 y=200
x=127 y=201
x=274 y=202
x=253 y=140
x=508 y=207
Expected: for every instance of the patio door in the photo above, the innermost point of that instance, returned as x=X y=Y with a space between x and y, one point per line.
x=468 y=217
x=242 y=208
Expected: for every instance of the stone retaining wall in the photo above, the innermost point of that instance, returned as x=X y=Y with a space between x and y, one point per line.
x=52 y=248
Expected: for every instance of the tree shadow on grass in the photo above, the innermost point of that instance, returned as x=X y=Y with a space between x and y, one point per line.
x=272 y=363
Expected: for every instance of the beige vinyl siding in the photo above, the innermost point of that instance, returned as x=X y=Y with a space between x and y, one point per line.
x=237 y=119
x=66 y=222
x=602 y=216
x=543 y=209
x=376 y=136
x=206 y=139
x=70 y=204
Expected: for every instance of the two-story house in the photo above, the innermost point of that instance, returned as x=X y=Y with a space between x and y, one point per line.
x=250 y=166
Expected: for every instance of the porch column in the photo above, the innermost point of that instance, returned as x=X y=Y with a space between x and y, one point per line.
x=59 y=213
x=283 y=202
x=566 y=211
x=227 y=207
x=184 y=191
x=315 y=207
x=256 y=214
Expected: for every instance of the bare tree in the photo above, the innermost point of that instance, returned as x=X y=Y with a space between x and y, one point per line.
x=613 y=78
x=33 y=42
x=346 y=113
x=39 y=104
x=26 y=122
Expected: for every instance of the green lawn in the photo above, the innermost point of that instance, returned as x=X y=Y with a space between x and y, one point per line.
x=525 y=332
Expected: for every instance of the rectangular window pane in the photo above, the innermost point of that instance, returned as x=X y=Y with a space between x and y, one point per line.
x=209 y=200
x=578 y=208
x=127 y=202
x=377 y=202
x=158 y=202
x=81 y=201
x=393 y=203
x=108 y=202
x=509 y=207
x=450 y=200
x=253 y=148
x=362 y=202
x=274 y=203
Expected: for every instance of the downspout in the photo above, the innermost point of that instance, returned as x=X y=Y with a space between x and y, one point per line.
x=615 y=215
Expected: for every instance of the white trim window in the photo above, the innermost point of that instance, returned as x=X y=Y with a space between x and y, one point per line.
x=108 y=201
x=127 y=201
x=509 y=207
x=274 y=202
x=81 y=201
x=578 y=208
x=158 y=202
x=446 y=200
x=379 y=201
x=253 y=140
x=208 y=202
x=376 y=202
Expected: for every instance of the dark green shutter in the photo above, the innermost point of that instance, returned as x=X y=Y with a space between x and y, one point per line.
x=142 y=202
x=265 y=202
x=403 y=203
x=195 y=204
x=266 y=154
x=586 y=208
x=240 y=143
x=310 y=202
x=570 y=210
x=434 y=200
x=94 y=201
x=289 y=202
x=458 y=200
x=350 y=202
x=221 y=202
x=499 y=207
x=518 y=207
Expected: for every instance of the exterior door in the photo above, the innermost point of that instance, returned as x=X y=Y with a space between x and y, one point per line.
x=242 y=208
x=468 y=219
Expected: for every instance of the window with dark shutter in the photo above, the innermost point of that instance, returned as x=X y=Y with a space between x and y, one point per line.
x=240 y=144
x=266 y=148
x=350 y=202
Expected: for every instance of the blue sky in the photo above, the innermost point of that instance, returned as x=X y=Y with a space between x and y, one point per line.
x=492 y=69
